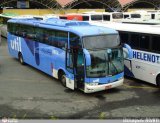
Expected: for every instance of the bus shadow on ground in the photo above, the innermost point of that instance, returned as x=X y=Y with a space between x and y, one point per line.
x=136 y=82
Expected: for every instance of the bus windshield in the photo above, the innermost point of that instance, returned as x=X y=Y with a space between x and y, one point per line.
x=101 y=41
x=106 y=62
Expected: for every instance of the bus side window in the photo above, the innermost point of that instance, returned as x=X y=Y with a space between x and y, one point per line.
x=16 y=29
x=63 y=17
x=39 y=35
x=49 y=37
x=135 y=40
x=124 y=37
x=10 y=27
x=75 y=42
x=22 y=31
x=62 y=39
x=26 y=31
x=156 y=43
x=85 y=18
x=30 y=32
x=144 y=42
x=76 y=47
x=106 y=17
x=126 y=16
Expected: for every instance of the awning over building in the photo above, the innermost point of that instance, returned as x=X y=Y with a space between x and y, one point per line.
x=64 y=3
x=125 y=2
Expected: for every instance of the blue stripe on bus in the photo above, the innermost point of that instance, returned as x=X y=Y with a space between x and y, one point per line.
x=34 y=48
x=30 y=45
x=37 y=53
x=105 y=80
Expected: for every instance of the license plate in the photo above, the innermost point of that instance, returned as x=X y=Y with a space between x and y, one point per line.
x=108 y=87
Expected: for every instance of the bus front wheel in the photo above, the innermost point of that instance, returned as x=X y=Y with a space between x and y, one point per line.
x=21 y=59
x=62 y=78
x=158 y=80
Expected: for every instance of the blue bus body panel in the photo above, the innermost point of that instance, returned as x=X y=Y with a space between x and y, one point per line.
x=45 y=57
x=13 y=45
x=38 y=55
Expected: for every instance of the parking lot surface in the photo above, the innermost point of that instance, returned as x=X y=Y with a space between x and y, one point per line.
x=28 y=93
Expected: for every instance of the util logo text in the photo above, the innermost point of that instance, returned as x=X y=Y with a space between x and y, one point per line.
x=16 y=44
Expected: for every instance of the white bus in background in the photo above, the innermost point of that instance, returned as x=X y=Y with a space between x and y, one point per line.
x=95 y=16
x=151 y=17
x=139 y=15
x=145 y=42
x=144 y=22
x=105 y=16
x=86 y=16
x=92 y=16
x=155 y=15
x=112 y=16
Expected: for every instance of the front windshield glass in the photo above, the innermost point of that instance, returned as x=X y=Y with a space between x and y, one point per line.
x=117 y=15
x=106 y=62
x=101 y=41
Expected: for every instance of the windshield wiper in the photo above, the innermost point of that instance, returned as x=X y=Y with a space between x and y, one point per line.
x=114 y=66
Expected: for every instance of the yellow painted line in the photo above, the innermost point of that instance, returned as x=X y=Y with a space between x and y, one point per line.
x=139 y=87
x=54 y=118
x=102 y=115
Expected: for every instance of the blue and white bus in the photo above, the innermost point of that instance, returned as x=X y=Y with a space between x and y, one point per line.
x=81 y=56
x=145 y=42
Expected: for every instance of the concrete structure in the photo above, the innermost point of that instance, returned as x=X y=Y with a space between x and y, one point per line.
x=111 y=4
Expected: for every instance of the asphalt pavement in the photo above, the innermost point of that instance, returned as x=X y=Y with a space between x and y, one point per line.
x=28 y=93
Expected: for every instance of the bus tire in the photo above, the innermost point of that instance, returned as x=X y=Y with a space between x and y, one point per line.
x=62 y=78
x=20 y=57
x=158 y=80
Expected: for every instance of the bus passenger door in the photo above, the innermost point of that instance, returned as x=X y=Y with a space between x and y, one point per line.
x=75 y=67
x=69 y=66
x=75 y=63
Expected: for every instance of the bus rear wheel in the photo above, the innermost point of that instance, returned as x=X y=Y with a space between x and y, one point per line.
x=21 y=59
x=158 y=81
x=62 y=78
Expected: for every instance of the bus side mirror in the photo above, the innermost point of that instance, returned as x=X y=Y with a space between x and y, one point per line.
x=127 y=52
x=87 y=57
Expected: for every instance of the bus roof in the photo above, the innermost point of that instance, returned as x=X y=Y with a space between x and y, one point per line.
x=139 y=28
x=78 y=27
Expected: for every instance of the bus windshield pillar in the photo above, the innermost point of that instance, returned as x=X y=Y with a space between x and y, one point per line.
x=88 y=57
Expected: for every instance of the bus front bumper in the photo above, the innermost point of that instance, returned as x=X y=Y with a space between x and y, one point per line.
x=96 y=88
